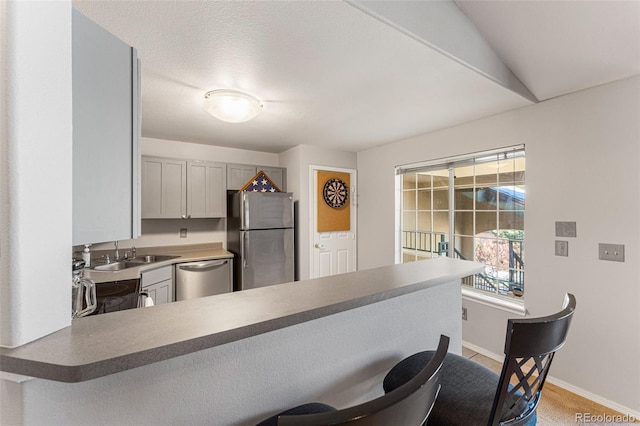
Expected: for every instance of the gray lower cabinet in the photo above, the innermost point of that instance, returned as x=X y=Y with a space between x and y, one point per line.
x=239 y=174
x=106 y=135
x=158 y=284
x=182 y=189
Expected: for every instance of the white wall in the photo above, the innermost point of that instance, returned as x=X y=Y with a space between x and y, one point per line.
x=177 y=149
x=35 y=219
x=167 y=231
x=297 y=161
x=583 y=162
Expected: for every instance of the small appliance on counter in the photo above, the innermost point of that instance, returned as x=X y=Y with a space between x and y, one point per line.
x=83 y=291
x=260 y=233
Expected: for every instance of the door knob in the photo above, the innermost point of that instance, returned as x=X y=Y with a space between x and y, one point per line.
x=319 y=246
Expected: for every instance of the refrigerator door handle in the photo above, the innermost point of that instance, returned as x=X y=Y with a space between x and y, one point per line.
x=244 y=250
x=245 y=213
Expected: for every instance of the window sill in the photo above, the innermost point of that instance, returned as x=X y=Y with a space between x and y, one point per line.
x=502 y=303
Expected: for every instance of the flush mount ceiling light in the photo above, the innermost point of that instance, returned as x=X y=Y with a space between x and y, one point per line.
x=231 y=106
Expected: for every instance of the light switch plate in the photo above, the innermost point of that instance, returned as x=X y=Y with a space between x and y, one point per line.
x=566 y=229
x=562 y=248
x=613 y=252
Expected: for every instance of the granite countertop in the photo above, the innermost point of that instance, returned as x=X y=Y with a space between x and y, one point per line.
x=101 y=345
x=185 y=253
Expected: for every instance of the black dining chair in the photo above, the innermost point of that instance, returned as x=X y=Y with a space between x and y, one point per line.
x=407 y=405
x=474 y=395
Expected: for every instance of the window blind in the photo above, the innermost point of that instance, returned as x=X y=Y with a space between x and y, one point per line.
x=462 y=160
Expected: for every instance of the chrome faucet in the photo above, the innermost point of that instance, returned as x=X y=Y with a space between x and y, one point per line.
x=117 y=253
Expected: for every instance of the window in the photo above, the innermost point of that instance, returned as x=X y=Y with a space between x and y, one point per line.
x=471 y=208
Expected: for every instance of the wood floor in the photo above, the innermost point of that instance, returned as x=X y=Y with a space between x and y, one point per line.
x=557 y=406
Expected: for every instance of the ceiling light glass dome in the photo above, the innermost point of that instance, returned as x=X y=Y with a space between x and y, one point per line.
x=232 y=106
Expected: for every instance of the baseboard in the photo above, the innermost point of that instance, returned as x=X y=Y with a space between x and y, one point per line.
x=564 y=385
x=483 y=351
x=595 y=398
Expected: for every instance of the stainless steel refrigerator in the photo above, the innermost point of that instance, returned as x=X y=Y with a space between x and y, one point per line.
x=260 y=234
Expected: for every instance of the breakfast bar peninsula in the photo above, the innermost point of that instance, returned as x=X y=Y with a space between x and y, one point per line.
x=235 y=358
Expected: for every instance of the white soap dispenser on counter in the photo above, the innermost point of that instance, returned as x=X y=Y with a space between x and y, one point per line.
x=86 y=255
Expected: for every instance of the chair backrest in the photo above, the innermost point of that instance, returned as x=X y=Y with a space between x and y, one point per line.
x=529 y=349
x=408 y=405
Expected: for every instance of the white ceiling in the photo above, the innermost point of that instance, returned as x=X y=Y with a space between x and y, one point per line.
x=332 y=75
x=559 y=47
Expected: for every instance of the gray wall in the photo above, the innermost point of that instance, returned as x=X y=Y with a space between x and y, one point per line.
x=583 y=162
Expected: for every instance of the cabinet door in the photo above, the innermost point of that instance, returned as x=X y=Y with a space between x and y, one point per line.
x=277 y=175
x=161 y=292
x=206 y=189
x=105 y=134
x=159 y=284
x=164 y=185
x=239 y=174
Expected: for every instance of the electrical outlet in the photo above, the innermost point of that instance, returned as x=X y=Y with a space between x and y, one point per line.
x=183 y=232
x=562 y=248
x=614 y=252
x=464 y=314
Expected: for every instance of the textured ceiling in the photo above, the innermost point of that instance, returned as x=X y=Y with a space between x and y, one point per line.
x=559 y=47
x=328 y=73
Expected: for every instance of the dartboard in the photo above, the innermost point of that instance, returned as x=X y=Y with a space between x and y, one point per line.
x=335 y=193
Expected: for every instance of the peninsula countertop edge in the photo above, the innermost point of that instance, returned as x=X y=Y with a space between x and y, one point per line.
x=101 y=345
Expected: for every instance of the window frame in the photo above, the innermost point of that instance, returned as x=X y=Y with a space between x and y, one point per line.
x=508 y=303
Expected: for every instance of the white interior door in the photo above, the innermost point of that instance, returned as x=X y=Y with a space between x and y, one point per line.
x=332 y=252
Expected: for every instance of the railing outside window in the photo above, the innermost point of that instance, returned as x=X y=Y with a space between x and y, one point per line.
x=432 y=244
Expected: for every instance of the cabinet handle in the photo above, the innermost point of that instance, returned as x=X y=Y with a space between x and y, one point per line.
x=202 y=265
x=184 y=216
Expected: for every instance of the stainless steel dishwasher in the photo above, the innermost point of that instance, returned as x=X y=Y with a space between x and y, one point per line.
x=201 y=279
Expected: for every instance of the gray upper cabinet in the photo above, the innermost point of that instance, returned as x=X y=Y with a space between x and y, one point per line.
x=106 y=135
x=182 y=189
x=206 y=195
x=239 y=174
x=164 y=188
x=278 y=175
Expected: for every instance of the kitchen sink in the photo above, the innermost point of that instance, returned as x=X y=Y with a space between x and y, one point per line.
x=151 y=258
x=132 y=263
x=113 y=266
